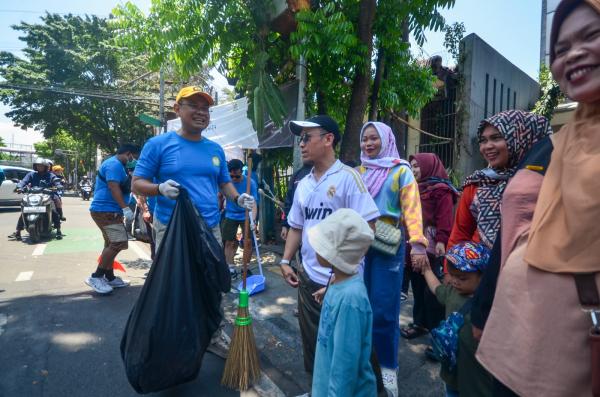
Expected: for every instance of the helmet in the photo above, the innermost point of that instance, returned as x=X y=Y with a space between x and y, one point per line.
x=50 y=163
x=42 y=161
x=57 y=168
x=85 y=177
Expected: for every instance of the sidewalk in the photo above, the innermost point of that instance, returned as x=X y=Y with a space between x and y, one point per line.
x=280 y=348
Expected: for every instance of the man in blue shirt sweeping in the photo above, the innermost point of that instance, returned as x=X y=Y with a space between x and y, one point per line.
x=234 y=214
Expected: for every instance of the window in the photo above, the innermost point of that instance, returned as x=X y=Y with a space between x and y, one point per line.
x=10 y=173
x=501 y=96
x=22 y=174
x=507 y=98
x=487 y=89
x=515 y=100
x=494 y=98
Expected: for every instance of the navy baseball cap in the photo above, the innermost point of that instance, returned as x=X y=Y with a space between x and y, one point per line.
x=323 y=121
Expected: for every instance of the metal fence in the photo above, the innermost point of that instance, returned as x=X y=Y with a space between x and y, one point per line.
x=439 y=118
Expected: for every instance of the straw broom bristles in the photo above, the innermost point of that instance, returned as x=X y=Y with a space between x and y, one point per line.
x=242 y=367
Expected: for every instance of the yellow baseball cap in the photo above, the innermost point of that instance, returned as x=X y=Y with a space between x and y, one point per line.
x=192 y=90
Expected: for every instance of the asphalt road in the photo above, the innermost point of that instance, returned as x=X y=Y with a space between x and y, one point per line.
x=59 y=338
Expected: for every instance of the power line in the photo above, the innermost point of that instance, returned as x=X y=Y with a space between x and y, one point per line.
x=81 y=93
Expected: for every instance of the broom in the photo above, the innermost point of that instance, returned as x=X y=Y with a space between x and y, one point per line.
x=242 y=367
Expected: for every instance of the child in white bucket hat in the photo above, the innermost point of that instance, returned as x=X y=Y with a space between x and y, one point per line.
x=342 y=366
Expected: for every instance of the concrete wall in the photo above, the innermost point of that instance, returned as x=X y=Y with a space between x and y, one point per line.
x=482 y=63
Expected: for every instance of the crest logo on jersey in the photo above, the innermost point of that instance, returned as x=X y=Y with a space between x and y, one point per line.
x=216 y=162
x=331 y=191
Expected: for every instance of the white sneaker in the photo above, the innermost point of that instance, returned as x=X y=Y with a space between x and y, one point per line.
x=99 y=284
x=390 y=380
x=118 y=282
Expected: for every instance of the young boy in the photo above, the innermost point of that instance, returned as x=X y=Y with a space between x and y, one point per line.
x=342 y=366
x=466 y=262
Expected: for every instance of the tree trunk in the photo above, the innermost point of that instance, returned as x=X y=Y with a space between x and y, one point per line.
x=360 y=89
x=380 y=68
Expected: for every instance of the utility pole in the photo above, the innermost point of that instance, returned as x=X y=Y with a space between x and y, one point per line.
x=300 y=109
x=161 y=109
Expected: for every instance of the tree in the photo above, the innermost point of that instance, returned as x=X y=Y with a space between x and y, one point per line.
x=453 y=35
x=551 y=94
x=68 y=82
x=337 y=38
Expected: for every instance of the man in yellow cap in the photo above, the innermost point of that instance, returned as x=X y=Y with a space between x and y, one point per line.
x=185 y=158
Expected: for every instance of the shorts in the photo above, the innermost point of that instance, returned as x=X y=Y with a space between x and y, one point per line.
x=159 y=229
x=230 y=228
x=111 y=225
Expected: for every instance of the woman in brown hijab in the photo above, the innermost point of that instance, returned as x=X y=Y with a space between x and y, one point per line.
x=536 y=339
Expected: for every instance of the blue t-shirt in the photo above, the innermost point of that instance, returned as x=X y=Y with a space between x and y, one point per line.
x=234 y=211
x=342 y=361
x=198 y=166
x=113 y=171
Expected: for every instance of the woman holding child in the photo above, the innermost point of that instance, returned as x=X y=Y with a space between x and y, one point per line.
x=537 y=340
x=396 y=193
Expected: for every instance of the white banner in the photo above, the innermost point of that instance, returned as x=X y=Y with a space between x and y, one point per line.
x=229 y=127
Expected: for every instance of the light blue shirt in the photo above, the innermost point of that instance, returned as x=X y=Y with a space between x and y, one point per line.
x=198 y=166
x=342 y=361
x=234 y=211
x=113 y=171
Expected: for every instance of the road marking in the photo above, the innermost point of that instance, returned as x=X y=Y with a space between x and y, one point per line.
x=39 y=249
x=139 y=251
x=24 y=276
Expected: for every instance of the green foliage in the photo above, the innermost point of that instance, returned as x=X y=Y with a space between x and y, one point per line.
x=453 y=35
x=551 y=95
x=232 y=35
x=76 y=54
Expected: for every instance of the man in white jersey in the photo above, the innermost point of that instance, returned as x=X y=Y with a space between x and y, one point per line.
x=329 y=186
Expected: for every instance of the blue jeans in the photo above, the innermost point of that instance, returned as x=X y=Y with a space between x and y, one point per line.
x=383 y=279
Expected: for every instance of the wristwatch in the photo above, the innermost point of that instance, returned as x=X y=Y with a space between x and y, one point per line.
x=284 y=262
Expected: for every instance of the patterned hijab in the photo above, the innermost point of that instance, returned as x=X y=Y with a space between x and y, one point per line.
x=521 y=130
x=377 y=168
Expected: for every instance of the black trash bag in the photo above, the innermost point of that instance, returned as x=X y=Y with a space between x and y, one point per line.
x=178 y=309
x=139 y=230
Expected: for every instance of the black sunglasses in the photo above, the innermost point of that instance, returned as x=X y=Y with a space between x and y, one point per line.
x=306 y=137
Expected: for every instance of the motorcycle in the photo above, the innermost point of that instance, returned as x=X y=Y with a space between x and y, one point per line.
x=37 y=207
x=86 y=192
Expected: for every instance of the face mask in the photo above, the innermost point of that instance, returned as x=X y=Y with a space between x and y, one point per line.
x=131 y=164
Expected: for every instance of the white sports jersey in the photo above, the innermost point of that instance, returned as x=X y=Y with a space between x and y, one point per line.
x=340 y=187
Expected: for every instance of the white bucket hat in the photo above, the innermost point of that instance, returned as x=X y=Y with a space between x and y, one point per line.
x=342 y=239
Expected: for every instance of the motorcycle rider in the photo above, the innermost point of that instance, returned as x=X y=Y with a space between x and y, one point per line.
x=40 y=177
x=58 y=171
x=85 y=181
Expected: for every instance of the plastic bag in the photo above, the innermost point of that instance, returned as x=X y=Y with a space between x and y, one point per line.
x=178 y=309
x=139 y=229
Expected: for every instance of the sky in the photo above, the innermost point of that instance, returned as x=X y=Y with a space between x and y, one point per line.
x=512 y=27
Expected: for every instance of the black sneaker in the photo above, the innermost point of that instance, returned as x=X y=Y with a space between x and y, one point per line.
x=59 y=235
x=15 y=236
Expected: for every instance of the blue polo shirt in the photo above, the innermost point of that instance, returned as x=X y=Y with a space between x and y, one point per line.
x=234 y=211
x=198 y=166
x=113 y=171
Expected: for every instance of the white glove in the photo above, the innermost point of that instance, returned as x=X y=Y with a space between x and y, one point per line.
x=169 y=189
x=127 y=213
x=246 y=201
